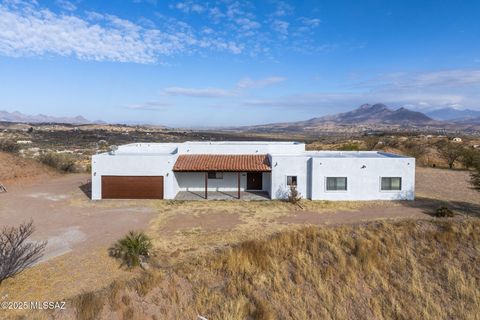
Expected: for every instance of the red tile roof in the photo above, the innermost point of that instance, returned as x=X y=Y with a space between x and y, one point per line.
x=222 y=162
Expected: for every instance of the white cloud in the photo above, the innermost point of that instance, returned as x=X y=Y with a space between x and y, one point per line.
x=149 y=106
x=197 y=92
x=243 y=84
x=283 y=9
x=310 y=22
x=189 y=6
x=281 y=27
x=247 y=83
x=66 y=5
x=28 y=30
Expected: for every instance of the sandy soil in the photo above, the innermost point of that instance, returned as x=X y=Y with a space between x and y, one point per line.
x=15 y=170
x=443 y=184
x=65 y=216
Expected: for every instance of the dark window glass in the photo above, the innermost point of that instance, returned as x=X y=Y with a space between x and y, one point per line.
x=391 y=183
x=336 y=184
x=215 y=175
x=291 y=180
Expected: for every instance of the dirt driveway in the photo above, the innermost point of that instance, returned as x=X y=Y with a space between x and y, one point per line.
x=65 y=216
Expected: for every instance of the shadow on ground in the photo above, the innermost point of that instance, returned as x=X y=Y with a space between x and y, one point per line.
x=86 y=188
x=429 y=206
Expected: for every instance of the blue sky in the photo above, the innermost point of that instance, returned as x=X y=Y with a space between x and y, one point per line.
x=221 y=63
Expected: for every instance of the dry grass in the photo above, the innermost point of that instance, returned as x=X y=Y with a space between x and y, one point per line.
x=380 y=270
x=62 y=278
x=205 y=226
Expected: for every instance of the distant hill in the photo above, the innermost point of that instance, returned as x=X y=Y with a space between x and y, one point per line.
x=40 y=118
x=450 y=114
x=377 y=113
x=372 y=116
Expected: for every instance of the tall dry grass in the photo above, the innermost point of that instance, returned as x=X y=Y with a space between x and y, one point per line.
x=381 y=270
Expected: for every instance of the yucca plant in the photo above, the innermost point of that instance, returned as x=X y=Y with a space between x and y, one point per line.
x=132 y=250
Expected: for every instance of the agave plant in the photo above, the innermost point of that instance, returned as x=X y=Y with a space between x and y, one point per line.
x=132 y=250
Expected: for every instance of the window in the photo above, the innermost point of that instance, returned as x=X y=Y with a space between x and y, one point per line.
x=215 y=175
x=336 y=184
x=292 y=181
x=391 y=183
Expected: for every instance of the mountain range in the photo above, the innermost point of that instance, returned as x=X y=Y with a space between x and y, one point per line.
x=367 y=116
x=455 y=115
x=377 y=113
x=40 y=118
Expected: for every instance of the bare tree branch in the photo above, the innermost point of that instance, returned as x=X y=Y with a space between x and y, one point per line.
x=17 y=252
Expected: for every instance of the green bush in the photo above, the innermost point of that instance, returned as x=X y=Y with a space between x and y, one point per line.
x=9 y=146
x=443 y=211
x=59 y=161
x=132 y=250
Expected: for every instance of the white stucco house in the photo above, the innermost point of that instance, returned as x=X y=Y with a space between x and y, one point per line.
x=239 y=168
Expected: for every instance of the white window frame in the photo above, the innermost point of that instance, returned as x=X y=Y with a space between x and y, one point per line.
x=326 y=189
x=390 y=191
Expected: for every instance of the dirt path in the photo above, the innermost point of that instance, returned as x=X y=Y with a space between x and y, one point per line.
x=65 y=217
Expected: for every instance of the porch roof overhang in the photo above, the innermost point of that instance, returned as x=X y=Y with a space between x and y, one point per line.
x=222 y=162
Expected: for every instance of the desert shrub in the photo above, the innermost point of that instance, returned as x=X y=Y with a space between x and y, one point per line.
x=294 y=196
x=444 y=211
x=132 y=250
x=16 y=251
x=371 y=143
x=9 y=146
x=59 y=161
x=349 y=147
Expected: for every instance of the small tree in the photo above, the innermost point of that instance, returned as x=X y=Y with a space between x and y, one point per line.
x=414 y=149
x=16 y=252
x=451 y=152
x=294 y=196
x=469 y=157
x=133 y=249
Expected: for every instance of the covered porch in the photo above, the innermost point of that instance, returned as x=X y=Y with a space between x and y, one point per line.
x=223 y=177
x=223 y=195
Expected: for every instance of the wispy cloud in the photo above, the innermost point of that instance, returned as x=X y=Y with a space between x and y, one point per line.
x=238 y=89
x=66 y=5
x=28 y=30
x=197 y=92
x=423 y=91
x=233 y=27
x=247 y=83
x=149 y=106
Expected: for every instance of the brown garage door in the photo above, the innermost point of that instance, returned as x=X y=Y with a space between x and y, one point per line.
x=132 y=187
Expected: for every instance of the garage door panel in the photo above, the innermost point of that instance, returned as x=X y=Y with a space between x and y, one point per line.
x=132 y=187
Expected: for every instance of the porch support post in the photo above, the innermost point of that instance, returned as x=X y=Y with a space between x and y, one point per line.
x=206 y=185
x=238 y=178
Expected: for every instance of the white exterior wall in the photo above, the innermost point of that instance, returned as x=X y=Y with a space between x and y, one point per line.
x=283 y=166
x=311 y=169
x=134 y=165
x=195 y=181
x=363 y=184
